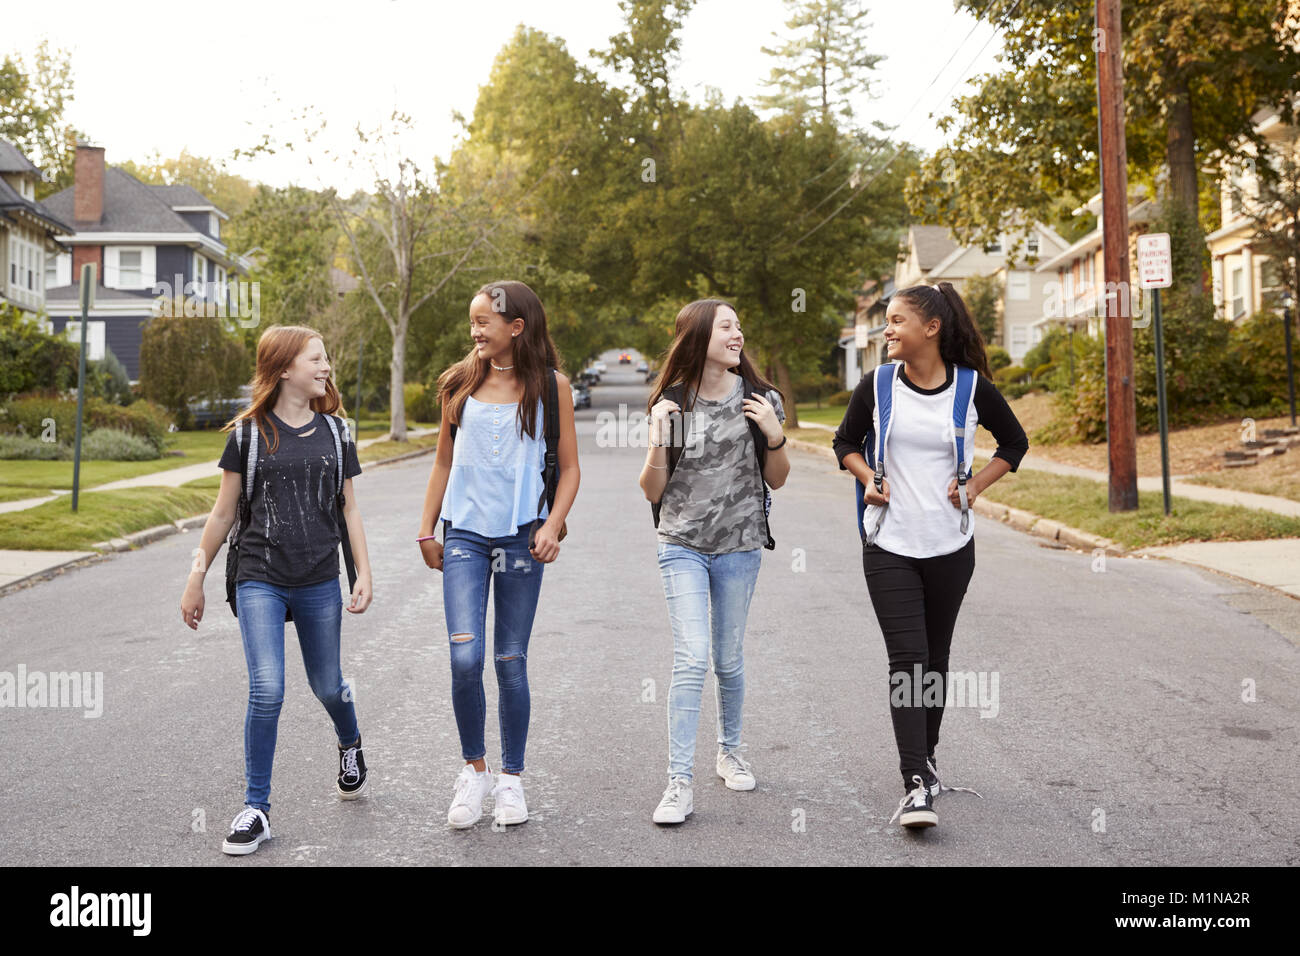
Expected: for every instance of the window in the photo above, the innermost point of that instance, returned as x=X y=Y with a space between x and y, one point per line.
x=94 y=337
x=1238 y=295
x=51 y=271
x=129 y=273
x=994 y=248
x=1031 y=245
x=214 y=225
x=1018 y=285
x=1018 y=338
x=200 y=272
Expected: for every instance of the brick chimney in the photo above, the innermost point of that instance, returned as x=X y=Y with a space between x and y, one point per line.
x=88 y=184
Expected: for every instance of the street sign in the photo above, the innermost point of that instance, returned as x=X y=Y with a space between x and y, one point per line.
x=1155 y=261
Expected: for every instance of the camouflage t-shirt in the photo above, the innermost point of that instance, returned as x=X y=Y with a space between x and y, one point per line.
x=713 y=502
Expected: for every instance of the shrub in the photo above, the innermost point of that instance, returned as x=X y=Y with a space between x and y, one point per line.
x=190 y=358
x=31 y=359
x=143 y=419
x=106 y=378
x=27 y=415
x=32 y=449
x=840 y=398
x=111 y=444
x=421 y=403
x=998 y=357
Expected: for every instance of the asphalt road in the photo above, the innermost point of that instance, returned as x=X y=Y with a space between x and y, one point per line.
x=1121 y=735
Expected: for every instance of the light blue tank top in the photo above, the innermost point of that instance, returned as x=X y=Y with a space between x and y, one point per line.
x=496 y=474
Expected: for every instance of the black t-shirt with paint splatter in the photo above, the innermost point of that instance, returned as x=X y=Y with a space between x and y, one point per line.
x=293 y=537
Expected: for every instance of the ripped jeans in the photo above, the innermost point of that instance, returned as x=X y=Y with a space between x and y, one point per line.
x=469 y=562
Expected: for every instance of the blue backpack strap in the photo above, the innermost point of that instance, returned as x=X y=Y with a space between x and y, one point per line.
x=965 y=382
x=873 y=441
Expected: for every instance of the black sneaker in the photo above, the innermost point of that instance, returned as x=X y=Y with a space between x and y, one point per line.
x=917 y=808
x=247 y=832
x=352 y=771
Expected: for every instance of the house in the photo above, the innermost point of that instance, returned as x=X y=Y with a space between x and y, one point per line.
x=28 y=231
x=932 y=255
x=146 y=241
x=862 y=344
x=1075 y=288
x=1246 y=281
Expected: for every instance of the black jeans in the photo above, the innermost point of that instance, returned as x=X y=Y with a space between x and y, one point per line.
x=916 y=602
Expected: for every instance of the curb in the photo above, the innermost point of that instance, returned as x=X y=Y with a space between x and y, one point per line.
x=1026 y=521
x=140 y=538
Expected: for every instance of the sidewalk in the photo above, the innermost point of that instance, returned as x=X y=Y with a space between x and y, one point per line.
x=1273 y=562
x=18 y=566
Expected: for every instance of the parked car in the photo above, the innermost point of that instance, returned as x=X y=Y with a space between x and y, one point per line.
x=643 y=366
x=208 y=414
x=590 y=375
x=651 y=376
x=600 y=367
x=581 y=396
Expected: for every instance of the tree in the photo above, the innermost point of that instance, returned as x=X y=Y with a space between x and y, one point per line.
x=32 y=102
x=190 y=358
x=1026 y=140
x=228 y=191
x=823 y=64
x=983 y=295
x=1274 y=209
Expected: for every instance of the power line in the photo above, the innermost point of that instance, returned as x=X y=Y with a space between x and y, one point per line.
x=858 y=191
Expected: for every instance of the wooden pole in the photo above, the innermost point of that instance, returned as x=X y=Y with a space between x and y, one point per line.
x=1121 y=411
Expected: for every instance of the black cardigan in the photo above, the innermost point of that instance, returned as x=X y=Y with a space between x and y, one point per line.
x=994 y=414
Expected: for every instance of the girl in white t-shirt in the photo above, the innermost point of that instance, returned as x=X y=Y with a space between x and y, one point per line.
x=922 y=558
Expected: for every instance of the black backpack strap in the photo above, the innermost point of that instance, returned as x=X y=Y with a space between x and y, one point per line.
x=551 y=464
x=674 y=393
x=338 y=427
x=760 y=456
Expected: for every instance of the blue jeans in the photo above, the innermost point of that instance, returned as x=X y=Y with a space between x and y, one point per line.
x=469 y=562
x=695 y=584
x=317 y=617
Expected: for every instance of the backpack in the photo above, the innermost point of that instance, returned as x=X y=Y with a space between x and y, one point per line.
x=874 y=442
x=551 y=468
x=676 y=393
x=246 y=440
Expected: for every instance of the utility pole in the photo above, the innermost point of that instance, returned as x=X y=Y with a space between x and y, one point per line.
x=1121 y=410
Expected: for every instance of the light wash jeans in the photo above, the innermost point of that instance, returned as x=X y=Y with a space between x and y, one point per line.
x=708 y=602
x=317 y=617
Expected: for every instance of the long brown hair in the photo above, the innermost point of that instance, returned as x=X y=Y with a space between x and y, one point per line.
x=532 y=353
x=684 y=361
x=960 y=341
x=277 y=348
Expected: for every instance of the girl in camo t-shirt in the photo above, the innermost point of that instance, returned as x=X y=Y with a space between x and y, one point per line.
x=716 y=446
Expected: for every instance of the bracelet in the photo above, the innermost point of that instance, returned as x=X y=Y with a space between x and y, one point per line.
x=426 y=537
x=660 y=467
x=784 y=439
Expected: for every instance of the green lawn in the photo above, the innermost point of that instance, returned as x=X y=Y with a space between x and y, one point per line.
x=1082 y=503
x=34 y=479
x=100 y=515
x=826 y=415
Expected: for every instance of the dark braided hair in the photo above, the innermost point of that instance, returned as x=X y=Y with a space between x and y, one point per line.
x=960 y=341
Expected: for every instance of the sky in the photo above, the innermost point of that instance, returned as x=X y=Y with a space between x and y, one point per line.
x=154 y=77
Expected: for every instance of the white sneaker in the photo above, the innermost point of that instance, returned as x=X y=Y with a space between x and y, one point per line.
x=677 y=803
x=735 y=770
x=467 y=804
x=510 y=806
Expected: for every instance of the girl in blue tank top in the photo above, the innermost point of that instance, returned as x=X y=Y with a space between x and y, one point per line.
x=487 y=491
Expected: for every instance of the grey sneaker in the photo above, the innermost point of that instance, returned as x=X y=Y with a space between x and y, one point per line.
x=735 y=770
x=677 y=803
